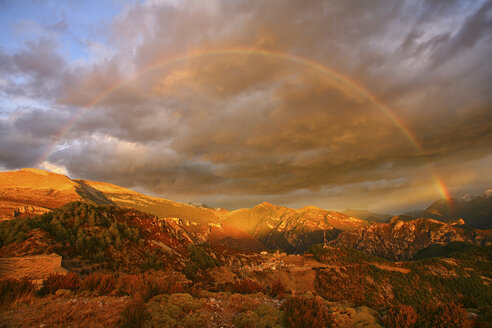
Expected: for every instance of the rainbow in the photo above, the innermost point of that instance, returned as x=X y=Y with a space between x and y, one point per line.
x=168 y=61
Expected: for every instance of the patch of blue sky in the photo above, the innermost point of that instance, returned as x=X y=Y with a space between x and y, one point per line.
x=72 y=23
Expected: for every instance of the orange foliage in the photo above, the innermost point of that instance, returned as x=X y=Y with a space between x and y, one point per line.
x=246 y=286
x=13 y=291
x=61 y=281
x=103 y=284
x=135 y=314
x=303 y=311
x=401 y=316
x=445 y=316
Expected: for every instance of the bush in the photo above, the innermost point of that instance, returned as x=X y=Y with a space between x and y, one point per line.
x=277 y=288
x=246 y=286
x=402 y=316
x=445 y=316
x=147 y=286
x=134 y=315
x=13 y=291
x=248 y=319
x=61 y=281
x=240 y=303
x=304 y=311
x=200 y=257
x=200 y=260
x=176 y=310
x=103 y=284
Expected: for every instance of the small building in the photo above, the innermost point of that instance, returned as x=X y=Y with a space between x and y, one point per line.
x=36 y=268
x=294 y=260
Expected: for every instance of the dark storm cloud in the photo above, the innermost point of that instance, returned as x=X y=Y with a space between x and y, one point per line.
x=235 y=129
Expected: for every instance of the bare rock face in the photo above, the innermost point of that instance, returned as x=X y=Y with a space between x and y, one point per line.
x=401 y=240
x=293 y=230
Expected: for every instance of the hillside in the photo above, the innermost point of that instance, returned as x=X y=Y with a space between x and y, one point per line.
x=33 y=191
x=402 y=239
x=293 y=230
x=367 y=215
x=476 y=211
x=154 y=205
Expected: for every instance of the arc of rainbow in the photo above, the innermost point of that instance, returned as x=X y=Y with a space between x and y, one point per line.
x=443 y=190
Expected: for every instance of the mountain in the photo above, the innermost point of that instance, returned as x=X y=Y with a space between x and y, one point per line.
x=293 y=230
x=476 y=211
x=33 y=191
x=266 y=226
x=367 y=215
x=154 y=205
x=402 y=239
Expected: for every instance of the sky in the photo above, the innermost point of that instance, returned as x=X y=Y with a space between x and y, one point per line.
x=381 y=105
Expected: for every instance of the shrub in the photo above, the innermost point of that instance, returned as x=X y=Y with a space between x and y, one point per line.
x=200 y=257
x=147 y=286
x=13 y=291
x=248 y=319
x=61 y=281
x=240 y=303
x=177 y=310
x=445 y=316
x=263 y=316
x=103 y=284
x=270 y=317
x=304 y=311
x=277 y=288
x=246 y=286
x=134 y=315
x=402 y=316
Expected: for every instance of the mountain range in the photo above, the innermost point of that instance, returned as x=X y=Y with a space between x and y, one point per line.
x=30 y=192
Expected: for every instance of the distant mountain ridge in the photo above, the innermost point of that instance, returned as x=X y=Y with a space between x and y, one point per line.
x=293 y=230
x=367 y=215
x=33 y=191
x=266 y=226
x=402 y=239
x=476 y=211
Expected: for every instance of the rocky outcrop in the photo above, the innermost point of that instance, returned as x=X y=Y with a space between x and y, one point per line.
x=401 y=240
x=293 y=230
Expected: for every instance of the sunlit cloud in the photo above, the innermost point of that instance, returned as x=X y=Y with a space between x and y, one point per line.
x=235 y=103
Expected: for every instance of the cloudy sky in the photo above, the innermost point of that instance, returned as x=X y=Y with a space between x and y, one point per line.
x=379 y=105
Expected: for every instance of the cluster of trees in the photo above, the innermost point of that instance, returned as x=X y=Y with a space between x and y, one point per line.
x=446 y=315
x=81 y=229
x=199 y=260
x=341 y=255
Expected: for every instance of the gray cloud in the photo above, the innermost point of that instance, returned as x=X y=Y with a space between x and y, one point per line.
x=234 y=129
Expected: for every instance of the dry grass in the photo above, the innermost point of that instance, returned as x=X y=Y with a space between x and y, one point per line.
x=13 y=291
x=61 y=312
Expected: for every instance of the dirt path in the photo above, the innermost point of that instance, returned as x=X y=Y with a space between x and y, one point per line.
x=391 y=268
